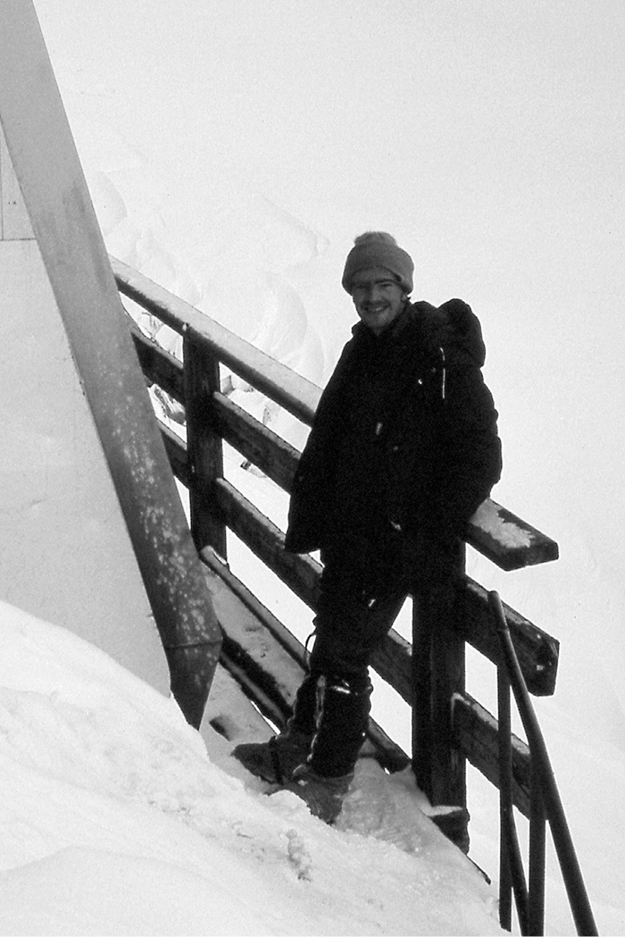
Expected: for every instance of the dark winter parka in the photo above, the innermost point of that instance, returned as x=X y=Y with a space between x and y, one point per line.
x=404 y=442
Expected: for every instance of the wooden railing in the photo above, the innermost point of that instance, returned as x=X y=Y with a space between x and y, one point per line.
x=269 y=667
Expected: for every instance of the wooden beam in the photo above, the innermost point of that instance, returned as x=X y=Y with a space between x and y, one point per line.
x=300 y=573
x=264 y=448
x=231 y=713
x=56 y=196
x=538 y=651
x=159 y=366
x=392 y=661
x=204 y=447
x=475 y=731
x=506 y=540
x=270 y=377
x=176 y=450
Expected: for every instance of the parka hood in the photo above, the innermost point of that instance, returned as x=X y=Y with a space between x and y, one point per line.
x=454 y=326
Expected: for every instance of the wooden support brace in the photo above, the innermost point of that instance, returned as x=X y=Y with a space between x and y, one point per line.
x=204 y=447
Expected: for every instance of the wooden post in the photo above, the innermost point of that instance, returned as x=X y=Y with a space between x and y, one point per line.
x=204 y=446
x=57 y=200
x=438 y=667
x=448 y=677
x=422 y=694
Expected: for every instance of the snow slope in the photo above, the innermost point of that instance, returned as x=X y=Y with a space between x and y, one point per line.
x=114 y=820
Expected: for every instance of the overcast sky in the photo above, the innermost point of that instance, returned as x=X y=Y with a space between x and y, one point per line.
x=487 y=135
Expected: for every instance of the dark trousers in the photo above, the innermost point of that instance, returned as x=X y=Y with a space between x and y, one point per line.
x=354 y=613
x=350 y=624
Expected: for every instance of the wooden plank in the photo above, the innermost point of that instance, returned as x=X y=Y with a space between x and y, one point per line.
x=55 y=193
x=393 y=662
x=264 y=448
x=507 y=540
x=159 y=366
x=448 y=778
x=267 y=673
x=283 y=636
x=231 y=713
x=204 y=447
x=475 y=731
x=300 y=573
x=538 y=651
x=270 y=377
x=176 y=450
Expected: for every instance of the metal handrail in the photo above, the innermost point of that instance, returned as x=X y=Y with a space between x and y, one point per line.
x=546 y=804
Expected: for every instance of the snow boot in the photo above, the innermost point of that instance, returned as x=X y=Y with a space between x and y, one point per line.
x=323 y=796
x=275 y=760
x=342 y=722
x=342 y=719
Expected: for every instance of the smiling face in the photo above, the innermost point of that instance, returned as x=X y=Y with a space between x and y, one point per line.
x=378 y=297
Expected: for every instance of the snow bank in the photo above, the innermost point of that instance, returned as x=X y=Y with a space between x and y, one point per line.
x=114 y=820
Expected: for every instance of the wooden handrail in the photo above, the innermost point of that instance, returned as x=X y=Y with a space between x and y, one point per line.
x=538 y=651
x=275 y=380
x=505 y=539
x=211 y=418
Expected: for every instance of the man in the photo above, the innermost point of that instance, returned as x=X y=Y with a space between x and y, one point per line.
x=403 y=449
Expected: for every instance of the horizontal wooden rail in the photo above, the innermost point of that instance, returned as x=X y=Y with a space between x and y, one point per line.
x=476 y=737
x=159 y=366
x=501 y=536
x=506 y=540
x=299 y=573
x=293 y=392
x=537 y=650
x=256 y=443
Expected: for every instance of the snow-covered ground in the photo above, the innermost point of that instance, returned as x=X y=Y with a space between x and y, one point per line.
x=115 y=820
x=233 y=151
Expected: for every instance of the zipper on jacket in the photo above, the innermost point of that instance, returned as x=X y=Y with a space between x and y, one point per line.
x=444 y=374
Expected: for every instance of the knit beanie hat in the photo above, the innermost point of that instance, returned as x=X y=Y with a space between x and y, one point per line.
x=378 y=249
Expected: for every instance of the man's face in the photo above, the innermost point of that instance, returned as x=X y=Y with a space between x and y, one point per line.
x=378 y=297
